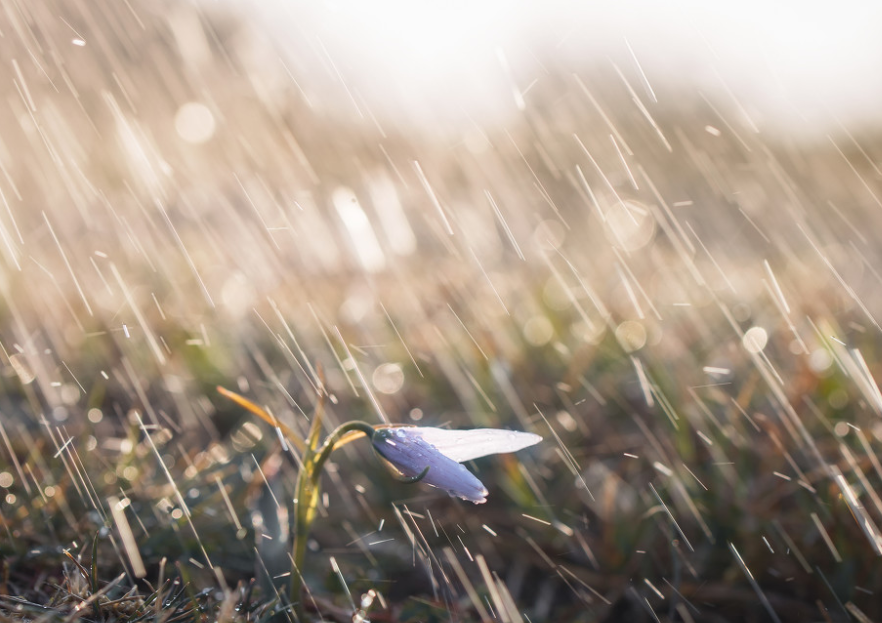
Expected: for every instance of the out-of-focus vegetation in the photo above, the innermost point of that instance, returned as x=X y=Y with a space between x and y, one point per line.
x=683 y=307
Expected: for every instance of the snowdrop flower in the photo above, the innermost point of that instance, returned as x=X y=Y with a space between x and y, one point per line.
x=434 y=454
x=419 y=453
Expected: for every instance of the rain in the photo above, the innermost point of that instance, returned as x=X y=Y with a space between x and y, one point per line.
x=243 y=245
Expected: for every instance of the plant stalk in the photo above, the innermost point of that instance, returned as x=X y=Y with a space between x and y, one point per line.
x=306 y=503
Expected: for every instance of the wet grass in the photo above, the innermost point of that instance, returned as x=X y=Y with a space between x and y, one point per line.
x=662 y=506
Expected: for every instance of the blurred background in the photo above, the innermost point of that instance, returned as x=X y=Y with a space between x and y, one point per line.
x=808 y=66
x=644 y=232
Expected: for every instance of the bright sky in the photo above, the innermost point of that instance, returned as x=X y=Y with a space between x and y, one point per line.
x=785 y=61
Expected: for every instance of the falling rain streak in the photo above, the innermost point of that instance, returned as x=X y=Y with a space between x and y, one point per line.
x=425 y=222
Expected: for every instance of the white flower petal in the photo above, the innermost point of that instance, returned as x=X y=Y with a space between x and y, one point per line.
x=410 y=454
x=465 y=445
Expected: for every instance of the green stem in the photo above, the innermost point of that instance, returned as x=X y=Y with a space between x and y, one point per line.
x=308 y=487
x=301 y=532
x=325 y=451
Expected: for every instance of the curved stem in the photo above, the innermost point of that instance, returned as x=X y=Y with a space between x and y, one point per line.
x=308 y=486
x=324 y=452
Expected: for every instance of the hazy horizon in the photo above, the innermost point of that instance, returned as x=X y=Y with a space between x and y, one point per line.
x=804 y=68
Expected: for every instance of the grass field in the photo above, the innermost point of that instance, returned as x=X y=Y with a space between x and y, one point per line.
x=682 y=304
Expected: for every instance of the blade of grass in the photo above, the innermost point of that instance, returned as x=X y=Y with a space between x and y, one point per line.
x=79 y=566
x=94 y=565
x=315 y=429
x=292 y=436
x=349 y=438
